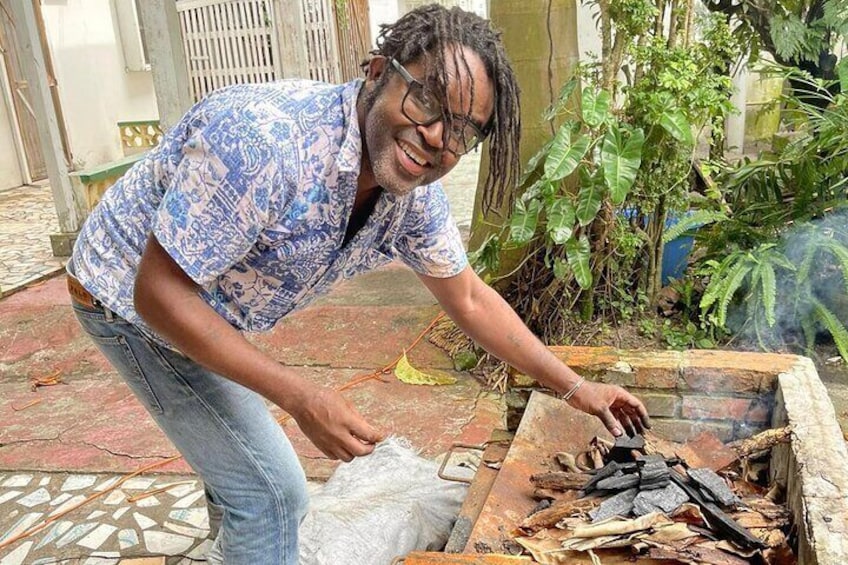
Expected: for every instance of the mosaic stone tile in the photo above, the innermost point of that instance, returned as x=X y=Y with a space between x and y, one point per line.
x=138 y=483
x=17 y=481
x=96 y=514
x=180 y=491
x=186 y=531
x=127 y=538
x=60 y=499
x=78 y=482
x=25 y=522
x=187 y=501
x=200 y=550
x=17 y=555
x=147 y=502
x=105 y=558
x=143 y=521
x=163 y=543
x=55 y=533
x=7 y=496
x=44 y=481
x=196 y=517
x=73 y=501
x=106 y=484
x=96 y=538
x=116 y=515
x=35 y=498
x=114 y=498
x=75 y=533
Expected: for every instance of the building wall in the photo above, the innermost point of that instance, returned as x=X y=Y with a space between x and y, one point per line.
x=10 y=171
x=95 y=89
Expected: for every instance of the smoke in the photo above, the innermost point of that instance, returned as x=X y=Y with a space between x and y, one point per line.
x=798 y=291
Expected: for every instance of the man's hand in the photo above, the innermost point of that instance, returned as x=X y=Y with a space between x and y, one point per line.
x=334 y=425
x=619 y=410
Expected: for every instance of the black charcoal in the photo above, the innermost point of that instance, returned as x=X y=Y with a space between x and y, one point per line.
x=619 y=505
x=666 y=500
x=714 y=486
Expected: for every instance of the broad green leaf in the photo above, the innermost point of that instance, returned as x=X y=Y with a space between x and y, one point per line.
x=578 y=252
x=675 y=123
x=564 y=94
x=522 y=224
x=561 y=269
x=410 y=375
x=564 y=156
x=589 y=199
x=487 y=256
x=534 y=162
x=560 y=220
x=620 y=161
x=595 y=106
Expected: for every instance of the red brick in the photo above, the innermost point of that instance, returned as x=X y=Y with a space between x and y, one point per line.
x=760 y=411
x=661 y=405
x=734 y=371
x=586 y=358
x=715 y=379
x=714 y=408
x=682 y=431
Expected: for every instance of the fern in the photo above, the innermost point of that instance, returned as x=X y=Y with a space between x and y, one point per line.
x=841 y=253
x=734 y=282
x=769 y=289
x=832 y=324
x=697 y=219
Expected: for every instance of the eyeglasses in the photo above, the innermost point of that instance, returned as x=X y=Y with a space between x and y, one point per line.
x=423 y=109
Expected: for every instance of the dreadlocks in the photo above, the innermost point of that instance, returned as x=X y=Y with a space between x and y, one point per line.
x=425 y=33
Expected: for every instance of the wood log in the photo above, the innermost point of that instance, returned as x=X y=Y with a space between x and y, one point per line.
x=559 y=510
x=560 y=480
x=761 y=442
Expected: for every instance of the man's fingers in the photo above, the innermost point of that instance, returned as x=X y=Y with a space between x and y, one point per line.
x=638 y=407
x=610 y=422
x=627 y=423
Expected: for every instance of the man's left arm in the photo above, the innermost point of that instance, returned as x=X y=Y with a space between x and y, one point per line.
x=487 y=319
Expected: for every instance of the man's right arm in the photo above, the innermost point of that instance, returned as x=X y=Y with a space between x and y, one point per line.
x=168 y=301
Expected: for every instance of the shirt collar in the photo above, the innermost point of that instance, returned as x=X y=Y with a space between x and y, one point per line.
x=350 y=152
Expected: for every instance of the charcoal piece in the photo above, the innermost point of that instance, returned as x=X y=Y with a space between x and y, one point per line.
x=708 y=481
x=718 y=519
x=619 y=505
x=618 y=483
x=666 y=500
x=622 y=450
x=607 y=470
x=653 y=475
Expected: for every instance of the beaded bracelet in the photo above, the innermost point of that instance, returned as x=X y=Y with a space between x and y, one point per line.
x=567 y=396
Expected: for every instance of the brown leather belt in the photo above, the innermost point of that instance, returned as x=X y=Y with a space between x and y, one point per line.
x=82 y=296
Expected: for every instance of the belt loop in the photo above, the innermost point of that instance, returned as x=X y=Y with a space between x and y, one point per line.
x=110 y=317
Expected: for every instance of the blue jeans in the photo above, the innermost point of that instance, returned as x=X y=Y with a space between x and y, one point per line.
x=224 y=431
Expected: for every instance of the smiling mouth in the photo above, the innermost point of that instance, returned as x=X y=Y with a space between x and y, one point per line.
x=410 y=152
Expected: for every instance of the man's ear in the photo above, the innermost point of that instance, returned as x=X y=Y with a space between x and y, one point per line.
x=376 y=67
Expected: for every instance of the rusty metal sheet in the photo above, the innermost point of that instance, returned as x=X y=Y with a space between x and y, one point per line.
x=549 y=425
x=432 y=558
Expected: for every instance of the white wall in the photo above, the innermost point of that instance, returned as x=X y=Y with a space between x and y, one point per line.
x=95 y=89
x=10 y=171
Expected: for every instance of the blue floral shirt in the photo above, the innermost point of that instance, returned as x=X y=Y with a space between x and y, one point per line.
x=250 y=193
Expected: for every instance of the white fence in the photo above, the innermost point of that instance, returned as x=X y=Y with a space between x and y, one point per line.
x=238 y=41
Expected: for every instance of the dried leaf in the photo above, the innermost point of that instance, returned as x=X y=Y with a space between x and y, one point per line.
x=408 y=374
x=669 y=534
x=617 y=527
x=689 y=513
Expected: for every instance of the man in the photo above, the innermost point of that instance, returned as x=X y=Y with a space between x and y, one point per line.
x=256 y=202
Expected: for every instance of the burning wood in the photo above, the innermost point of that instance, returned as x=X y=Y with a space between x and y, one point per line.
x=698 y=503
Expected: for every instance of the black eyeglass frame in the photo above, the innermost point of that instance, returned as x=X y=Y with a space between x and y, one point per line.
x=480 y=132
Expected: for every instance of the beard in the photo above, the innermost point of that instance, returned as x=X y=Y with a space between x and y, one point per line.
x=381 y=148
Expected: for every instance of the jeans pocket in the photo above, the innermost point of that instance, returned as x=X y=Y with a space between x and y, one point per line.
x=120 y=355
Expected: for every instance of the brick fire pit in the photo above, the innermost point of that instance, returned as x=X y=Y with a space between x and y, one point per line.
x=735 y=395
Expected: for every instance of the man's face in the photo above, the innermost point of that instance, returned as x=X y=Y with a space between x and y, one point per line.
x=403 y=154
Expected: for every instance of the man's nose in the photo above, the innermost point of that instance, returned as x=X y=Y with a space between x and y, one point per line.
x=433 y=134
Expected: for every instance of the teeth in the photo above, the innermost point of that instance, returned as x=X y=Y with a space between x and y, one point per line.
x=409 y=154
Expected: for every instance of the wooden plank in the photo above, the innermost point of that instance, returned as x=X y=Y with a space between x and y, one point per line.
x=249 y=39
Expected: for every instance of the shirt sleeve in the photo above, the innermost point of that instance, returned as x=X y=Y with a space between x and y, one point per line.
x=217 y=202
x=429 y=241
